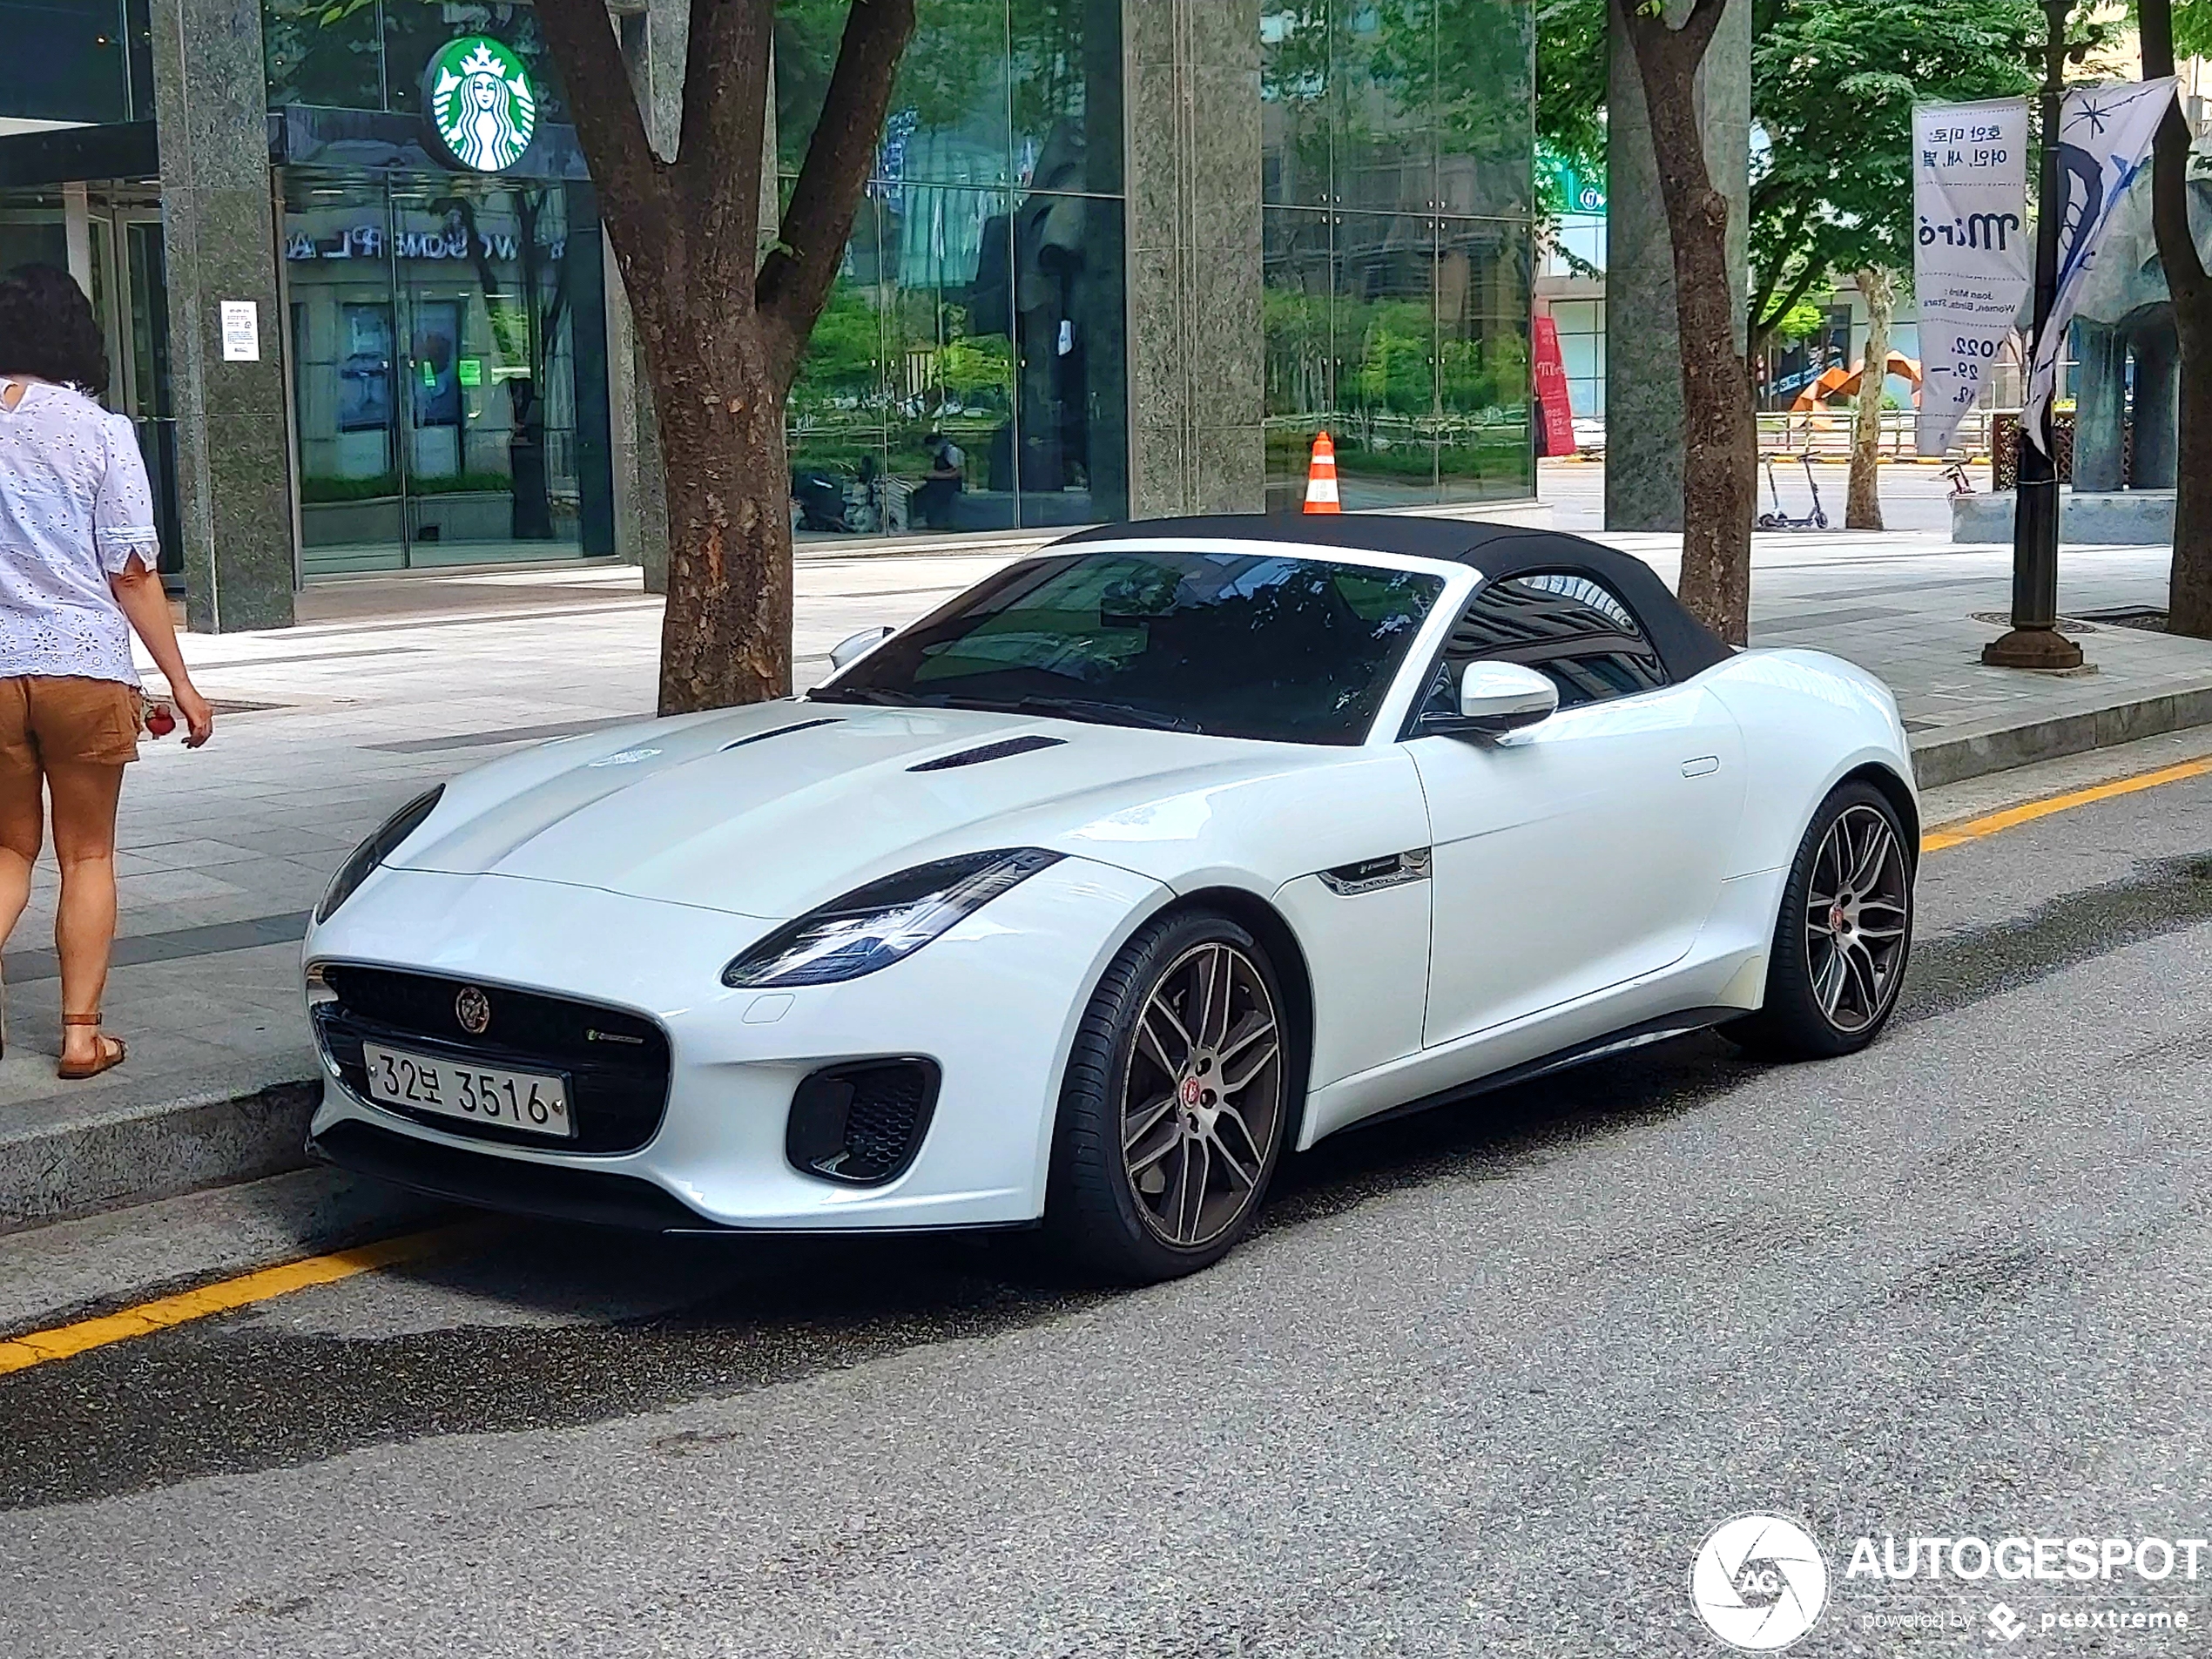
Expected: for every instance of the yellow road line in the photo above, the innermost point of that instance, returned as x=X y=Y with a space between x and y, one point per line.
x=1974 y=828
x=20 y=1353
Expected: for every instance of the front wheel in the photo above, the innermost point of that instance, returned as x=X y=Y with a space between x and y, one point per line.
x=1841 y=941
x=1176 y=1105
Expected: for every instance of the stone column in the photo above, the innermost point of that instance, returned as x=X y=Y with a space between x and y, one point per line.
x=2101 y=410
x=219 y=241
x=1642 y=351
x=2157 y=456
x=1196 y=356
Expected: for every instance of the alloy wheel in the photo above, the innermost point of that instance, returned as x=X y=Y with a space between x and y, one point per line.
x=1858 y=912
x=1202 y=1104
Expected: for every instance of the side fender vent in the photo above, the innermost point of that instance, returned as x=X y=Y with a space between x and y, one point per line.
x=988 y=752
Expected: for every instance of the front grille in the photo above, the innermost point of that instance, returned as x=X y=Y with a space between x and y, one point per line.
x=616 y=1062
x=861 y=1123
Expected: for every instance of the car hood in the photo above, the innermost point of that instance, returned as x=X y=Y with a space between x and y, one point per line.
x=769 y=811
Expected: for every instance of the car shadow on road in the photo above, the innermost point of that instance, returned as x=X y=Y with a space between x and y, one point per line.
x=538 y=1326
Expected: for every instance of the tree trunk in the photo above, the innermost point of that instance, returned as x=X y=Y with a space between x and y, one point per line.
x=725 y=635
x=1720 y=421
x=2190 y=587
x=1863 y=499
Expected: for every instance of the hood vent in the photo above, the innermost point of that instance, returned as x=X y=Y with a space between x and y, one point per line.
x=988 y=752
x=780 y=731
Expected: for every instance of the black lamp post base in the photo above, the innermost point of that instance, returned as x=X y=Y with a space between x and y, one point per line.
x=2044 y=648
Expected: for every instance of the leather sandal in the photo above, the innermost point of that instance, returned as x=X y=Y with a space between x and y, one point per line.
x=111 y=1052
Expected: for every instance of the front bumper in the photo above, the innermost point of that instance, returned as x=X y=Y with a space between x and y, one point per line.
x=993 y=1003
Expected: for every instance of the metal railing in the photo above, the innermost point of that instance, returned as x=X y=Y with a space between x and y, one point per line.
x=1827 y=433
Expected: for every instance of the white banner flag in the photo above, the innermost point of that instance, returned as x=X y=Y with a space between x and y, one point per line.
x=2104 y=144
x=1972 y=251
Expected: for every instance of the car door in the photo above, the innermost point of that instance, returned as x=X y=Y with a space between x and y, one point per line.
x=1586 y=850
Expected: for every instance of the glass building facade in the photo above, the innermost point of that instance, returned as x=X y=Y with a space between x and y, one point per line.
x=1106 y=262
x=1396 y=193
x=968 y=373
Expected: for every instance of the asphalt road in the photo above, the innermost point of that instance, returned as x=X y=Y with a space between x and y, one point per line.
x=1480 y=1387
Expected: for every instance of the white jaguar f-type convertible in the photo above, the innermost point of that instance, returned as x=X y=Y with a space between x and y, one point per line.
x=1085 y=898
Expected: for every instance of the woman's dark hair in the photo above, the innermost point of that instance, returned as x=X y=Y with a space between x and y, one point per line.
x=47 y=329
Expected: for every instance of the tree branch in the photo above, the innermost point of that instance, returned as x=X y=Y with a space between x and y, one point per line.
x=632 y=180
x=1813 y=269
x=795 y=280
x=2169 y=200
x=725 y=103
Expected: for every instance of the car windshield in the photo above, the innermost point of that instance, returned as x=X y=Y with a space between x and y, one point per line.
x=1235 y=645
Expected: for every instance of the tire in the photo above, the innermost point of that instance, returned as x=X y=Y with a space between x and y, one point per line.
x=1157 y=1169
x=1840 y=949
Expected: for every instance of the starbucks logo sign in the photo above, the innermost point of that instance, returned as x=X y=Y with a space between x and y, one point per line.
x=482 y=103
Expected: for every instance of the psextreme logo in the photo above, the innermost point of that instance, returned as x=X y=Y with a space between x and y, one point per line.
x=1759 y=1582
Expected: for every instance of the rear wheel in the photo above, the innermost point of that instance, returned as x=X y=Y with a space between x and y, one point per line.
x=1176 y=1104
x=1845 y=930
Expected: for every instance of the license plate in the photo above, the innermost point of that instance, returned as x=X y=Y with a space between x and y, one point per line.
x=533 y=1102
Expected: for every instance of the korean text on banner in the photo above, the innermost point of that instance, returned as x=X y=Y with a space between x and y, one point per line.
x=1972 y=251
x=2105 y=135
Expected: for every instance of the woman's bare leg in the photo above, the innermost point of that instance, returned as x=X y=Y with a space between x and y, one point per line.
x=23 y=811
x=85 y=797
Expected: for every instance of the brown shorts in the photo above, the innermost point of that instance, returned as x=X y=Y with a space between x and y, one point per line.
x=49 y=720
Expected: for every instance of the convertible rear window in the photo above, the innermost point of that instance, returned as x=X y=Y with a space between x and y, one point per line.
x=1236 y=644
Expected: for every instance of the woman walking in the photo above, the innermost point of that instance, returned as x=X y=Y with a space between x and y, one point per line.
x=78 y=550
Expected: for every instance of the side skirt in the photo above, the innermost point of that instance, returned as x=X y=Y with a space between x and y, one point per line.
x=1635 y=1037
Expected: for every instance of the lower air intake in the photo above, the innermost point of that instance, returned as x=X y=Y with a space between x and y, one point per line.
x=862 y=1122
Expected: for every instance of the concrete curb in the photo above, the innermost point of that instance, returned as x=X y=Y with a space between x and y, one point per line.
x=1954 y=753
x=106 y=1161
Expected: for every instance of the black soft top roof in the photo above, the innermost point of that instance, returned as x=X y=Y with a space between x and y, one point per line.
x=1685 y=644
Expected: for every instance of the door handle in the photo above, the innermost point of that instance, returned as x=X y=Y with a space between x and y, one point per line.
x=1699 y=765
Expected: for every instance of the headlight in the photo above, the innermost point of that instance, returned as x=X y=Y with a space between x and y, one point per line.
x=374 y=851
x=885 y=921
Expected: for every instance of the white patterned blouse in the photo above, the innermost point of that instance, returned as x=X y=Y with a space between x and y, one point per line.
x=75 y=508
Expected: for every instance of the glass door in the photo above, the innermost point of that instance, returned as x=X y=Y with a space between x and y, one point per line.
x=139 y=339
x=449 y=389
x=345 y=377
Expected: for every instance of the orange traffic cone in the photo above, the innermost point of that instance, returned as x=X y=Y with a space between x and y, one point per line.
x=1321 y=478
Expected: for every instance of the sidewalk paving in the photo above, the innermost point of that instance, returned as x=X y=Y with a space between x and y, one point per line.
x=389 y=685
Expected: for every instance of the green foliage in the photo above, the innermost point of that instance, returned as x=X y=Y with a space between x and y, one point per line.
x=2192 y=21
x=1833 y=83
x=317 y=487
x=1802 y=321
x=1571 y=68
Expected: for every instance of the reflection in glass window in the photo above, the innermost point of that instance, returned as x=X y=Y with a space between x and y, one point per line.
x=1397 y=319
x=317 y=52
x=1294 y=114
x=1065 y=90
x=65 y=61
x=1568 y=627
x=447 y=350
x=1296 y=270
x=970 y=371
x=1282 y=649
x=1486 y=131
x=413 y=30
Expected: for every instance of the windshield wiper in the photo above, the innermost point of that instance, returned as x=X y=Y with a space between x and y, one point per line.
x=1098 y=712
x=877 y=694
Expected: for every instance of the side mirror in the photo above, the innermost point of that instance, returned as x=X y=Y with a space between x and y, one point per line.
x=1499 y=697
x=851 y=650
